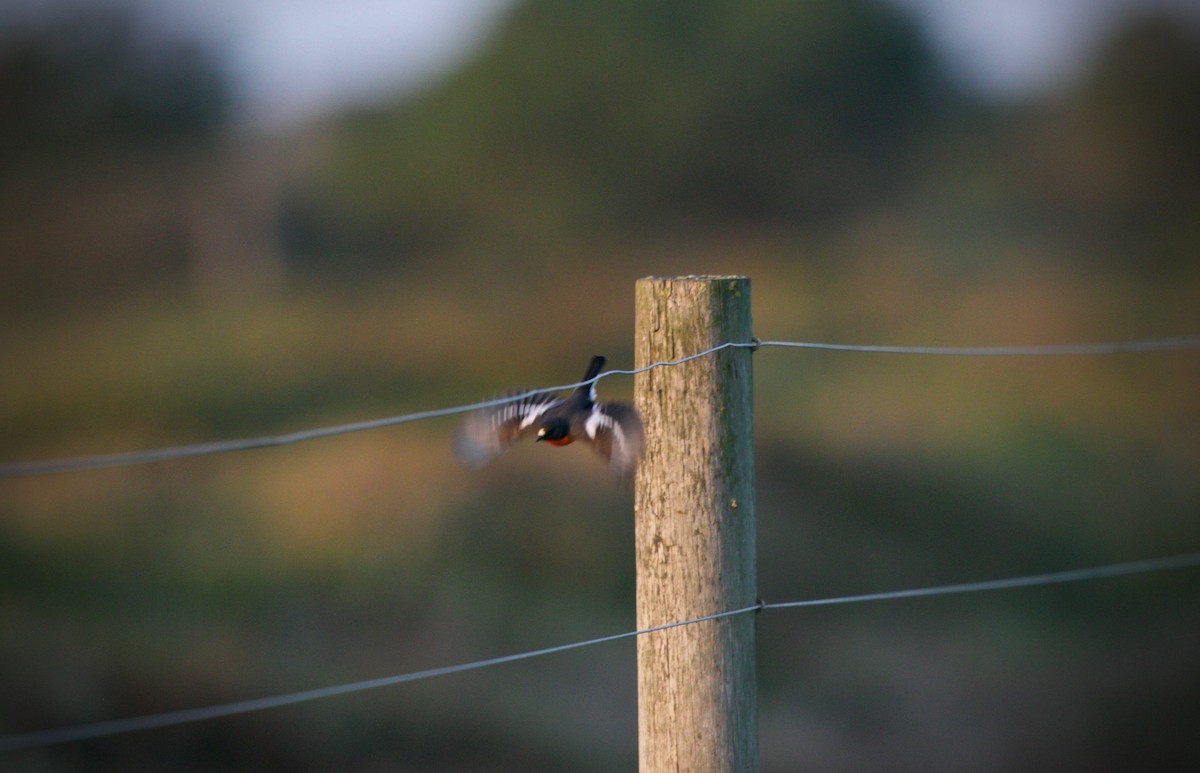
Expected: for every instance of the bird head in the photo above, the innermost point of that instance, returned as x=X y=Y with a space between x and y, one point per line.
x=553 y=429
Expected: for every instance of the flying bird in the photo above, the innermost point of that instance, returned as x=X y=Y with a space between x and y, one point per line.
x=613 y=429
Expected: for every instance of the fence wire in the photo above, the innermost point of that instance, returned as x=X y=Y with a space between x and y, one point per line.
x=121 y=726
x=99 y=461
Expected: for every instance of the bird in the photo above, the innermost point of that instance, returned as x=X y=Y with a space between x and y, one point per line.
x=613 y=429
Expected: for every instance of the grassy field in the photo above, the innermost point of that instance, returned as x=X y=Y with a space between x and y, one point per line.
x=184 y=583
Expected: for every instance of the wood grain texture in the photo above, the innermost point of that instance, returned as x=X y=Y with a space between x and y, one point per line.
x=695 y=531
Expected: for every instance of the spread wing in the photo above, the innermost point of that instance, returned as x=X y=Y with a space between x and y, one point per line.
x=485 y=433
x=615 y=431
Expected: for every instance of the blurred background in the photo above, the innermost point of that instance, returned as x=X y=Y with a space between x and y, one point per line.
x=236 y=218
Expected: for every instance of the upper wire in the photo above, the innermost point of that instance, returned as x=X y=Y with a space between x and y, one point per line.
x=98 y=461
x=1108 y=347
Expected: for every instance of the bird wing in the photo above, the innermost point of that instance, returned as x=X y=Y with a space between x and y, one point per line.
x=615 y=431
x=487 y=432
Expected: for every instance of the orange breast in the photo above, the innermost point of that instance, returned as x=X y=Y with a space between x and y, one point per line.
x=564 y=441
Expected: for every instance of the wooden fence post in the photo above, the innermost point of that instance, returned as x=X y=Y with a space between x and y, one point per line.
x=695 y=532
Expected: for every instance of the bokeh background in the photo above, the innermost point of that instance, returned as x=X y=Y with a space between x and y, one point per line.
x=227 y=219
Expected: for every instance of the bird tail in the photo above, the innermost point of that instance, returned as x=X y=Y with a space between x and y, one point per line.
x=592 y=371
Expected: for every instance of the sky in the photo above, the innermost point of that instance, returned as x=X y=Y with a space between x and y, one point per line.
x=295 y=59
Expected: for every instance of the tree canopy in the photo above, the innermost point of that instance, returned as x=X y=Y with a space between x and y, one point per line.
x=653 y=114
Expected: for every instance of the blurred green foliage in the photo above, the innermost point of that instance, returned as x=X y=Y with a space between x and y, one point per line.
x=485 y=235
x=79 y=83
x=638 y=118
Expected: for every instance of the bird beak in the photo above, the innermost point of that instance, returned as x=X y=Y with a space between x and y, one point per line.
x=541 y=435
